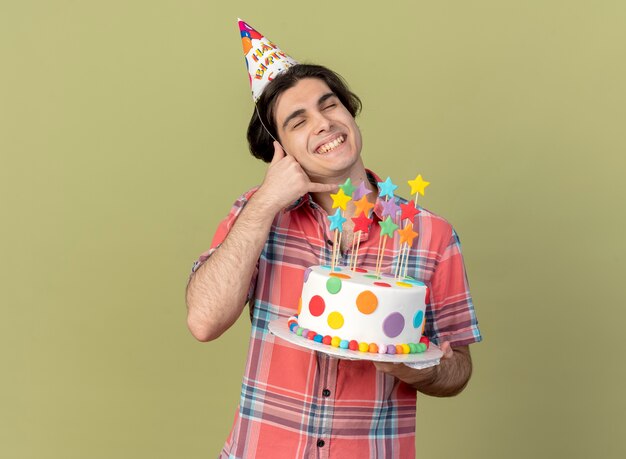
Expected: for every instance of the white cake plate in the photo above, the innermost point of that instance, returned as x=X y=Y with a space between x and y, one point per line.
x=426 y=359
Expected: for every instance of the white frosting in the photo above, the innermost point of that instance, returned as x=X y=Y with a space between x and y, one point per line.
x=405 y=303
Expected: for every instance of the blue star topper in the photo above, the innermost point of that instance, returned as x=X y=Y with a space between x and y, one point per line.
x=336 y=221
x=387 y=188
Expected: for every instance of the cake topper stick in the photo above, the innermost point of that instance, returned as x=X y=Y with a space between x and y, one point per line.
x=340 y=199
x=362 y=209
x=409 y=211
x=338 y=252
x=400 y=260
x=418 y=185
x=356 y=239
x=387 y=229
x=361 y=223
x=381 y=248
x=406 y=241
x=361 y=204
x=334 y=256
x=386 y=190
x=406 y=266
x=352 y=248
x=336 y=223
x=355 y=242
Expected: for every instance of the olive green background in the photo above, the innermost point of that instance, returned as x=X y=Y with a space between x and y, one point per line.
x=122 y=145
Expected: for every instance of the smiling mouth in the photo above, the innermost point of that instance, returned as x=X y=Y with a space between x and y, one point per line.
x=331 y=145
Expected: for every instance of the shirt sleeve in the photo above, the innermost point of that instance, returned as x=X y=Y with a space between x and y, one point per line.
x=452 y=316
x=222 y=231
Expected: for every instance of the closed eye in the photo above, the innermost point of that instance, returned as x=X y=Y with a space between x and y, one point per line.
x=330 y=106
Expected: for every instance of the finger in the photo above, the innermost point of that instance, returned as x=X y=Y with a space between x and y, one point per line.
x=279 y=153
x=386 y=367
x=447 y=350
x=380 y=366
x=322 y=187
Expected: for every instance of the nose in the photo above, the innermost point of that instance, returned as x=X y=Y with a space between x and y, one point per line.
x=322 y=123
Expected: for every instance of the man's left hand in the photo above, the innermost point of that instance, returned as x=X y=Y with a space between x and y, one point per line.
x=426 y=380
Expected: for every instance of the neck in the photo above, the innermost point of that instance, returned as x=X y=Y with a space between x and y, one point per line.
x=356 y=175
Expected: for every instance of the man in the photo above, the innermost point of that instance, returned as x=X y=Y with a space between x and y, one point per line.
x=296 y=402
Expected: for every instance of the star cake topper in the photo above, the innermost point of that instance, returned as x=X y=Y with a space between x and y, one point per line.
x=387 y=227
x=361 y=223
x=363 y=206
x=360 y=191
x=409 y=211
x=418 y=185
x=390 y=209
x=340 y=199
x=387 y=188
x=348 y=188
x=407 y=234
x=336 y=221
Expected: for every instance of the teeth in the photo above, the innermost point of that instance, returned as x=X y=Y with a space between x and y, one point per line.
x=330 y=145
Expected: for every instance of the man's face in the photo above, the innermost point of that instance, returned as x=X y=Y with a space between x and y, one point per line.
x=317 y=130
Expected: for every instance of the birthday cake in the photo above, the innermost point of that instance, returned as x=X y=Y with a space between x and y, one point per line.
x=359 y=310
x=352 y=308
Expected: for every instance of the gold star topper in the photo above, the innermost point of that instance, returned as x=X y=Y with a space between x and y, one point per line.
x=340 y=199
x=418 y=185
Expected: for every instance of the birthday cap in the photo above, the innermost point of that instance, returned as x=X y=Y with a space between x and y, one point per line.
x=264 y=59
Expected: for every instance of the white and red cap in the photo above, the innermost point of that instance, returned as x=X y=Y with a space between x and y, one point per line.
x=264 y=59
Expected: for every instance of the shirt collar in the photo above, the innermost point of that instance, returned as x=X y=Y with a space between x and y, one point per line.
x=299 y=202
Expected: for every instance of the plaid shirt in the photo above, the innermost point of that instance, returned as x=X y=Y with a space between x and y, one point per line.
x=300 y=403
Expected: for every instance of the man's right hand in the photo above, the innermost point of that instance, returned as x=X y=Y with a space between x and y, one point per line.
x=285 y=181
x=216 y=293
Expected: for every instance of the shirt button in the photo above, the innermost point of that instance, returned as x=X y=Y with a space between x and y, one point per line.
x=320 y=443
x=325 y=392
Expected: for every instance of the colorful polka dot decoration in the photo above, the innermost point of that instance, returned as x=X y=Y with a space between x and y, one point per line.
x=328 y=268
x=374 y=348
x=410 y=280
x=333 y=285
x=417 y=320
x=382 y=284
x=393 y=324
x=335 y=320
x=366 y=302
x=317 y=306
